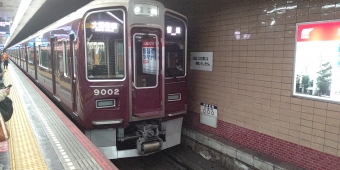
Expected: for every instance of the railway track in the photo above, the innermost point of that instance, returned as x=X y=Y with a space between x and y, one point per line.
x=176 y=158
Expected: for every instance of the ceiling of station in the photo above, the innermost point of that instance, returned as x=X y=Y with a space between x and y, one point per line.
x=39 y=14
x=8 y=9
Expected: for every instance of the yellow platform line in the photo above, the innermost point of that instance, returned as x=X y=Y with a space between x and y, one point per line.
x=24 y=149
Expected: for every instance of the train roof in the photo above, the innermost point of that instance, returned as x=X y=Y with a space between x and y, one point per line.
x=81 y=12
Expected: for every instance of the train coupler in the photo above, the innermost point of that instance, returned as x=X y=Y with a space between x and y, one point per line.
x=149 y=140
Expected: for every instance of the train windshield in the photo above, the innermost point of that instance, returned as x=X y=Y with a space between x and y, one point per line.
x=105 y=45
x=175 y=39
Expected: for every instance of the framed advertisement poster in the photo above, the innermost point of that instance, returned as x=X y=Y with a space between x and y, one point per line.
x=317 y=61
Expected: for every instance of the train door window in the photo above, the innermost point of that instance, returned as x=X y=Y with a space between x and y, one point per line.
x=23 y=50
x=175 y=52
x=65 y=59
x=74 y=59
x=105 y=45
x=37 y=54
x=44 y=56
x=21 y=53
x=30 y=58
x=145 y=60
x=58 y=56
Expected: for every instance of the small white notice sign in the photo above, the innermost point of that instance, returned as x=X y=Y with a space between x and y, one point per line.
x=208 y=115
x=201 y=61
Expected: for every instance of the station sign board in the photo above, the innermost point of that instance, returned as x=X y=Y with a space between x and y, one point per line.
x=4 y=28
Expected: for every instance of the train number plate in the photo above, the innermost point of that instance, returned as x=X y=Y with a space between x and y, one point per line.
x=106 y=92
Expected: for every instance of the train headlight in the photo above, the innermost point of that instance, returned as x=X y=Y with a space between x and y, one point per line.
x=105 y=103
x=146 y=10
x=153 y=11
x=174 y=97
x=137 y=10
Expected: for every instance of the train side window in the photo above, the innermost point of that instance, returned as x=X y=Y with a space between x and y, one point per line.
x=175 y=52
x=105 y=45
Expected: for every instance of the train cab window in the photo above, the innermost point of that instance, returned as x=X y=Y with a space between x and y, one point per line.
x=105 y=45
x=175 y=39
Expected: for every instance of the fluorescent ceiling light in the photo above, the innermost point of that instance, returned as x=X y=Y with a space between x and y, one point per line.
x=24 y=4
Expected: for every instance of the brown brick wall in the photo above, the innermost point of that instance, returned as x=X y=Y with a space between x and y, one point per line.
x=251 y=81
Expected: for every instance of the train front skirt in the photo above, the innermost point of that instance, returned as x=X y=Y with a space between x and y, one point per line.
x=147 y=138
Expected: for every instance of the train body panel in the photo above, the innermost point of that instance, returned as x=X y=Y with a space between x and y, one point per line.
x=118 y=68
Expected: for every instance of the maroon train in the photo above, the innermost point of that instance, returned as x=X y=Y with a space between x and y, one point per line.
x=119 y=69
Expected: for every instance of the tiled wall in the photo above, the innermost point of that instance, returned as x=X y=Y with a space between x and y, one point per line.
x=251 y=81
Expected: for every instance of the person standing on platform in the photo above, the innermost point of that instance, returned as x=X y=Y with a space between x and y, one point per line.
x=5 y=58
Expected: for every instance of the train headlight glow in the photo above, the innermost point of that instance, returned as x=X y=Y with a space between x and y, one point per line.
x=153 y=11
x=174 y=97
x=137 y=10
x=105 y=103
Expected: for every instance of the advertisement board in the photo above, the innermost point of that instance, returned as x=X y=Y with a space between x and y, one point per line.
x=149 y=56
x=317 y=61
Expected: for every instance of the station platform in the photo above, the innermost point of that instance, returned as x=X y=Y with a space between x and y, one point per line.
x=41 y=136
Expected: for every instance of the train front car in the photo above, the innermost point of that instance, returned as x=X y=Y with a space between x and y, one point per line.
x=132 y=97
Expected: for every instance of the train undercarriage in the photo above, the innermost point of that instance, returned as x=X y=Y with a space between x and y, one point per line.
x=140 y=138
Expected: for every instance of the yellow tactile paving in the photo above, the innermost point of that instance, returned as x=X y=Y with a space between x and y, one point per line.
x=24 y=150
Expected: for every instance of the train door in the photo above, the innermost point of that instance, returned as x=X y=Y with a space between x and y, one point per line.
x=73 y=73
x=146 y=81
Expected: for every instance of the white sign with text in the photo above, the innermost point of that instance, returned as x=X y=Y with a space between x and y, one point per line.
x=208 y=115
x=201 y=61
